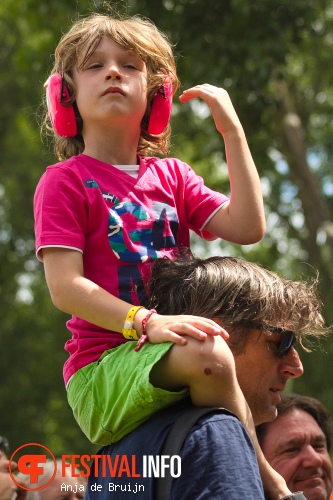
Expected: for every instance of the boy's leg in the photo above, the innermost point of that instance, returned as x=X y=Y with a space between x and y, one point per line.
x=207 y=368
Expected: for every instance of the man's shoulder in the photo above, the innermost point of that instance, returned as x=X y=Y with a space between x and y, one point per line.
x=151 y=435
x=193 y=419
x=213 y=441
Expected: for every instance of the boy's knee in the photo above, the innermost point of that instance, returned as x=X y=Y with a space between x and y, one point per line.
x=211 y=358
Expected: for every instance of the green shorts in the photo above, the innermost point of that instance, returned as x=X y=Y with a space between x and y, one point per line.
x=113 y=395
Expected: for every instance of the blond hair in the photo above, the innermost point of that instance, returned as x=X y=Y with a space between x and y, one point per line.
x=135 y=34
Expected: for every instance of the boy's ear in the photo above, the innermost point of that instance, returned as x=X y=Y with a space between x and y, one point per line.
x=161 y=108
x=62 y=117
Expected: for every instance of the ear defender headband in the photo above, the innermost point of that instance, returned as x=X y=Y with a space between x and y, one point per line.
x=161 y=108
x=63 y=117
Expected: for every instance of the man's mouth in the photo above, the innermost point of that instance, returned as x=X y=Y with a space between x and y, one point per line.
x=313 y=480
x=276 y=398
x=277 y=389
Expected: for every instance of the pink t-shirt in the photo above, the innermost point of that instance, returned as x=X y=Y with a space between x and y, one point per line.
x=120 y=224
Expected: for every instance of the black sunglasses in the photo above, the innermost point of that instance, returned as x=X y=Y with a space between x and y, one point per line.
x=288 y=338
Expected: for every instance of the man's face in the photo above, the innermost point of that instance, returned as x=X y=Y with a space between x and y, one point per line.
x=4 y=463
x=295 y=446
x=57 y=489
x=262 y=374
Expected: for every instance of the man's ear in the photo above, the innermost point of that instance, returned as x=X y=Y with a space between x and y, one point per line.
x=219 y=321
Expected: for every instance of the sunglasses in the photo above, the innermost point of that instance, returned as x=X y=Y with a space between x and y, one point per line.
x=288 y=338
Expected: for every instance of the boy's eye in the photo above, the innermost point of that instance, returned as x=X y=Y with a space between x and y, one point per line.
x=91 y=65
x=130 y=65
x=94 y=65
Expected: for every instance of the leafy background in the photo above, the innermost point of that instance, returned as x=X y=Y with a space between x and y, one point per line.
x=274 y=58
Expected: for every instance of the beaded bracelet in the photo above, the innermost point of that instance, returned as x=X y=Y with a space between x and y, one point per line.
x=144 y=337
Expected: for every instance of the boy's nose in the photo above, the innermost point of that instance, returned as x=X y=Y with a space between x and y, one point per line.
x=113 y=73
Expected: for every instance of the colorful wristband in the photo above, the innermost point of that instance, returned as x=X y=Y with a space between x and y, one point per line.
x=144 y=337
x=128 y=330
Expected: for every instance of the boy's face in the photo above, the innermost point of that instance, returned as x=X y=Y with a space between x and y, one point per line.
x=111 y=89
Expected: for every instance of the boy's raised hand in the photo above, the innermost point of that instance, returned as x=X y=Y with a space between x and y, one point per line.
x=219 y=102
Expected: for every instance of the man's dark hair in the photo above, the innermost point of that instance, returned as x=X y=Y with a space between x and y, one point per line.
x=241 y=294
x=311 y=406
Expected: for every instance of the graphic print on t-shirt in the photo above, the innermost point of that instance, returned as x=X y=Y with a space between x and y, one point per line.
x=138 y=234
x=138 y=245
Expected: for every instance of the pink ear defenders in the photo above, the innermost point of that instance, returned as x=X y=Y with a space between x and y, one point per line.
x=63 y=117
x=161 y=108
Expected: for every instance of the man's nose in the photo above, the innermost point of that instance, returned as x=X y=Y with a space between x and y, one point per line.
x=291 y=366
x=4 y=465
x=310 y=457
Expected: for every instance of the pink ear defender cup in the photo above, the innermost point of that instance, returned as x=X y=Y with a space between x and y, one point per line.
x=62 y=117
x=161 y=109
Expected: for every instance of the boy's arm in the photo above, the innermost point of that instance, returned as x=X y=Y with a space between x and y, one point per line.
x=74 y=294
x=242 y=220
